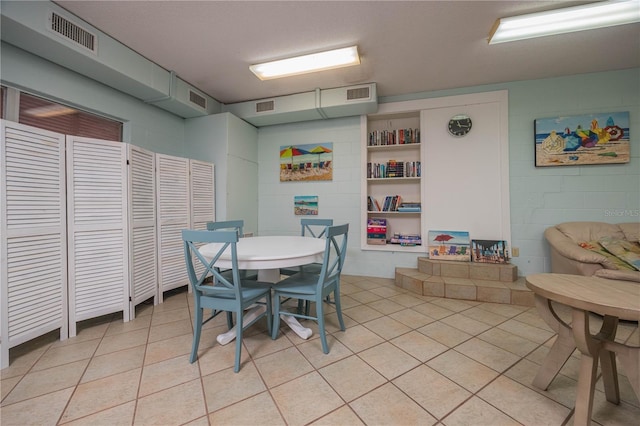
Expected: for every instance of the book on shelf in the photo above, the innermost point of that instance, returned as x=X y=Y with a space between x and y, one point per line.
x=406 y=239
x=394 y=137
x=376 y=231
x=410 y=206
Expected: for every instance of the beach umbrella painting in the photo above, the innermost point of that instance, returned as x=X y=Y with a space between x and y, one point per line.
x=292 y=151
x=442 y=238
x=320 y=150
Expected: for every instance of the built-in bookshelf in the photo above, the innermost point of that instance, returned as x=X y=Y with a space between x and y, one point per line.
x=392 y=188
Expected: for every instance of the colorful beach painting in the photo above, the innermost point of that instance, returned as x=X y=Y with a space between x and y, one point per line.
x=306 y=162
x=601 y=138
x=449 y=245
x=305 y=205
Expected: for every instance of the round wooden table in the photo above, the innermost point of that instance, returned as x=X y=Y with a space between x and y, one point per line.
x=615 y=300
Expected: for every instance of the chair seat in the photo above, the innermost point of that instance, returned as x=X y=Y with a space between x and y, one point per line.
x=300 y=283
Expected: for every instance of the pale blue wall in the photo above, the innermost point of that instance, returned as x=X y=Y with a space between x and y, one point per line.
x=540 y=197
x=146 y=126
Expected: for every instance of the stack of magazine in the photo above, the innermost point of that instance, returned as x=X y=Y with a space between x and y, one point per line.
x=410 y=206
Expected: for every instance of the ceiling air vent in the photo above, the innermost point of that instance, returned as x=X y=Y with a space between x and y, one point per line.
x=265 y=106
x=197 y=99
x=73 y=32
x=359 y=93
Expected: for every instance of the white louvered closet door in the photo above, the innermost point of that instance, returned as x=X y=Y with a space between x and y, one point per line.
x=172 y=209
x=202 y=194
x=143 y=266
x=33 y=270
x=97 y=229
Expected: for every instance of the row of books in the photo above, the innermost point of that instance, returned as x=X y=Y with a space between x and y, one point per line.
x=393 y=168
x=406 y=239
x=390 y=204
x=377 y=231
x=394 y=137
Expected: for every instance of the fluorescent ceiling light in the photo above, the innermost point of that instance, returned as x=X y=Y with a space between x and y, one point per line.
x=47 y=111
x=560 y=21
x=331 y=59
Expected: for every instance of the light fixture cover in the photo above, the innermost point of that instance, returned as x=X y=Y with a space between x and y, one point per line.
x=321 y=61
x=560 y=21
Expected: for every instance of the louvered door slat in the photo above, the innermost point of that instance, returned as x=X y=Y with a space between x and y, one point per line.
x=202 y=194
x=173 y=207
x=142 y=224
x=32 y=235
x=98 y=231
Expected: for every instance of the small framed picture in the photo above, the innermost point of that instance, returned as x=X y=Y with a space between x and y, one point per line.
x=489 y=251
x=305 y=205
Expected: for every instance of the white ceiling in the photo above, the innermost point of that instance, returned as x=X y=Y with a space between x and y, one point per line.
x=406 y=46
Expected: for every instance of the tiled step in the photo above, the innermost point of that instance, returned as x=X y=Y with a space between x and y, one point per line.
x=483 y=282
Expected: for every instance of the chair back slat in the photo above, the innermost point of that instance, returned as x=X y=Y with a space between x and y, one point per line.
x=315 y=228
x=334 y=254
x=238 y=225
x=193 y=241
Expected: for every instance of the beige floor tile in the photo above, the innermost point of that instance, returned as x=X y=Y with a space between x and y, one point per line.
x=508 y=341
x=466 y=324
x=23 y=357
x=282 y=366
x=170 y=329
x=46 y=381
x=445 y=334
x=246 y=412
x=219 y=357
x=529 y=332
x=122 y=341
x=523 y=404
x=362 y=313
x=508 y=311
x=407 y=299
x=627 y=393
x=607 y=413
x=102 y=394
x=387 y=327
x=434 y=392
x=387 y=292
x=171 y=348
x=312 y=351
x=452 y=304
x=477 y=412
x=342 y=416
x=66 y=354
x=122 y=415
x=389 y=360
x=261 y=344
x=347 y=302
x=482 y=315
x=488 y=354
x=352 y=377
x=7 y=385
x=173 y=406
x=386 y=306
x=358 y=338
x=533 y=318
x=41 y=410
x=225 y=387
x=165 y=374
x=464 y=371
x=172 y=315
x=433 y=311
x=389 y=406
x=419 y=346
x=114 y=363
x=412 y=318
x=94 y=328
x=365 y=296
x=118 y=327
x=305 y=399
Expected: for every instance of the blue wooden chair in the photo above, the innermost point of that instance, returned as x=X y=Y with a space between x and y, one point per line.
x=314 y=287
x=223 y=294
x=315 y=228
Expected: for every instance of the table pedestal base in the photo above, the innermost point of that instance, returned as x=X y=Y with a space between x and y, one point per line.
x=592 y=348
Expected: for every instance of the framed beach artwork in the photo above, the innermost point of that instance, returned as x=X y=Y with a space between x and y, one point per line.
x=307 y=162
x=449 y=245
x=581 y=140
x=489 y=251
x=305 y=205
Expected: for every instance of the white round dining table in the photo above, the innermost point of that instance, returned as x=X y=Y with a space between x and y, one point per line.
x=267 y=254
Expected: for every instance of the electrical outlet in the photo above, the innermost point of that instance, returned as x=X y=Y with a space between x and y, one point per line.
x=515 y=252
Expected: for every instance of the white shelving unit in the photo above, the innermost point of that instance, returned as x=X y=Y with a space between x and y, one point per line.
x=410 y=189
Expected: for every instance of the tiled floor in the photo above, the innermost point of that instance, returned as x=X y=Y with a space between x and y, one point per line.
x=403 y=360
